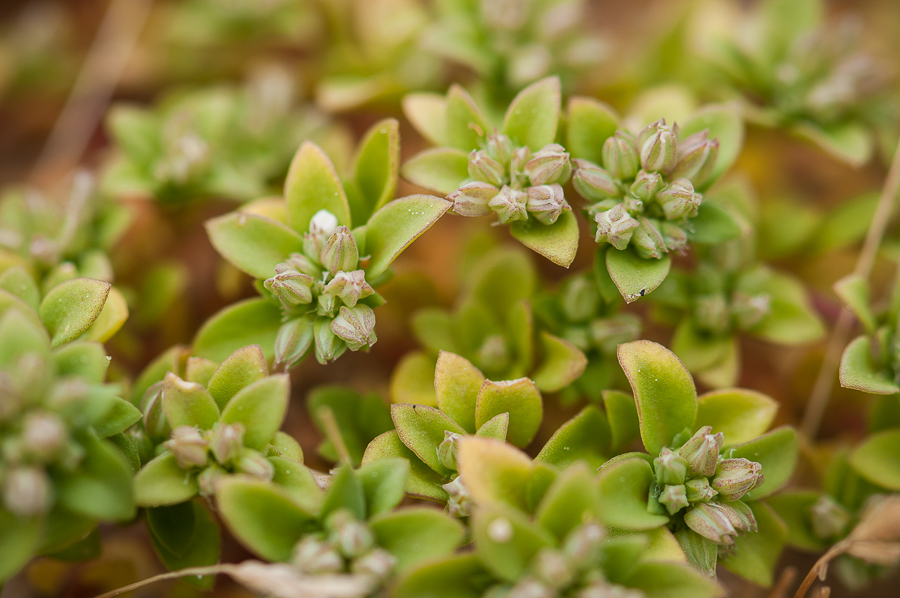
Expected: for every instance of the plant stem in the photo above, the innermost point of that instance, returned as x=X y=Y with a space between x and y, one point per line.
x=333 y=432
x=835 y=551
x=818 y=401
x=198 y=571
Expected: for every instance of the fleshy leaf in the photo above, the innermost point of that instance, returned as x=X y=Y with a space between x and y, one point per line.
x=756 y=554
x=584 y=437
x=20 y=539
x=563 y=363
x=412 y=381
x=520 y=398
x=71 y=307
x=422 y=481
x=465 y=125
x=312 y=185
x=415 y=534
x=624 y=489
x=421 y=429
x=672 y=580
x=506 y=540
x=427 y=114
x=242 y=368
x=376 y=165
x=724 y=124
x=590 y=123
x=853 y=290
x=777 y=453
x=558 y=242
x=621 y=411
x=185 y=535
x=101 y=486
x=395 y=226
x=850 y=142
x=740 y=414
x=455 y=576
x=497 y=427
x=441 y=169
x=570 y=501
x=111 y=319
x=188 y=404
x=713 y=225
x=533 y=115
x=876 y=459
x=634 y=276
x=261 y=408
x=383 y=483
x=494 y=472
x=253 y=244
x=250 y=322
x=858 y=372
x=345 y=492
x=161 y=482
x=457 y=383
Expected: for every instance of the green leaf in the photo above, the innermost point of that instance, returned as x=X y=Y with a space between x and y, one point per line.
x=415 y=534
x=71 y=307
x=457 y=383
x=740 y=414
x=494 y=471
x=412 y=381
x=497 y=427
x=117 y=419
x=20 y=539
x=558 y=242
x=62 y=529
x=756 y=554
x=589 y=125
x=262 y=517
x=261 y=408
x=563 y=363
x=383 y=483
x=570 y=501
x=777 y=453
x=533 y=115
x=621 y=411
x=185 y=535
x=634 y=276
x=792 y=319
x=345 y=492
x=853 y=290
x=161 y=482
x=299 y=483
x=253 y=244
x=506 y=540
x=672 y=580
x=101 y=485
x=394 y=227
x=427 y=112
x=20 y=334
x=859 y=372
x=502 y=278
x=520 y=398
x=359 y=418
x=724 y=124
x=455 y=576
x=585 y=437
x=848 y=142
x=713 y=225
x=421 y=429
x=699 y=351
x=433 y=328
x=795 y=510
x=83 y=359
x=876 y=459
x=422 y=481
x=188 y=404
x=375 y=166
x=18 y=282
x=312 y=185
x=169 y=361
x=111 y=319
x=250 y=322
x=663 y=390
x=241 y=369
x=125 y=448
x=624 y=489
x=466 y=126
x=441 y=170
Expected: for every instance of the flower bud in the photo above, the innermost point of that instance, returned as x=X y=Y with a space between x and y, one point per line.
x=646 y=185
x=293 y=339
x=673 y=235
x=499 y=147
x=43 y=436
x=658 y=147
x=674 y=498
x=699 y=551
x=549 y=165
x=448 y=448
x=829 y=519
x=226 y=442
x=460 y=502
x=471 y=200
x=350 y=287
x=350 y=536
x=509 y=205
x=678 y=200
x=696 y=158
x=355 y=326
x=593 y=183
x=325 y=305
x=736 y=477
x=485 y=169
x=291 y=287
x=739 y=514
x=608 y=333
x=323 y=224
x=328 y=346
x=340 y=251
x=648 y=241
x=615 y=227
x=711 y=313
x=699 y=490
x=377 y=563
x=302 y=264
x=710 y=521
x=189 y=447
x=313 y=244
x=254 y=464
x=550 y=567
x=670 y=468
x=582 y=545
x=620 y=158
x=546 y=202
x=518 y=178
x=27 y=491
x=315 y=556
x=702 y=451
x=209 y=479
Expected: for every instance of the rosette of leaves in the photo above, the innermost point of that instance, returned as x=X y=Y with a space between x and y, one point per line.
x=796 y=72
x=509 y=45
x=65 y=463
x=318 y=255
x=467 y=404
x=646 y=189
x=492 y=327
x=711 y=306
x=536 y=533
x=353 y=528
x=710 y=464
x=514 y=170
x=223 y=142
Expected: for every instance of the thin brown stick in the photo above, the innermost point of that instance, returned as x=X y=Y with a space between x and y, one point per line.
x=787 y=577
x=199 y=571
x=333 y=432
x=835 y=551
x=821 y=394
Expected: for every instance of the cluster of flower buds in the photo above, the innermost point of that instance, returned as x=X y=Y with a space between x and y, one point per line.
x=514 y=183
x=644 y=193
x=696 y=477
x=345 y=545
x=320 y=291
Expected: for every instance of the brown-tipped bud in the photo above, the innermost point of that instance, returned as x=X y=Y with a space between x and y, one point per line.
x=702 y=451
x=594 y=183
x=699 y=490
x=674 y=498
x=189 y=447
x=546 y=203
x=485 y=169
x=678 y=200
x=696 y=158
x=209 y=479
x=226 y=442
x=648 y=241
x=549 y=165
x=155 y=421
x=448 y=448
x=471 y=200
x=499 y=147
x=43 y=436
x=736 y=477
x=550 y=566
x=711 y=313
x=351 y=537
x=355 y=326
x=254 y=464
x=315 y=556
x=646 y=185
x=509 y=205
x=328 y=346
x=658 y=147
x=711 y=521
x=670 y=468
x=615 y=227
x=460 y=502
x=673 y=236
x=340 y=252
x=323 y=224
x=27 y=491
x=829 y=519
x=518 y=178
x=290 y=286
x=293 y=340
x=350 y=287
x=582 y=545
x=620 y=158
